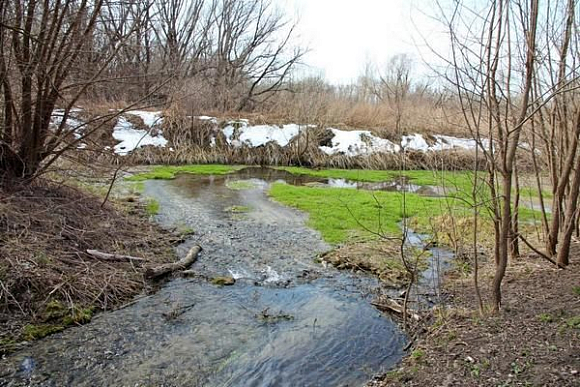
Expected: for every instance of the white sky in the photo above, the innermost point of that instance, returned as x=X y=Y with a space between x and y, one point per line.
x=343 y=35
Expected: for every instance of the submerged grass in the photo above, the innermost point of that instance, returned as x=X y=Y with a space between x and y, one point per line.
x=152 y=207
x=419 y=177
x=240 y=185
x=168 y=172
x=460 y=182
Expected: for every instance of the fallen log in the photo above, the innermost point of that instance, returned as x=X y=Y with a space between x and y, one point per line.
x=113 y=257
x=182 y=264
x=390 y=305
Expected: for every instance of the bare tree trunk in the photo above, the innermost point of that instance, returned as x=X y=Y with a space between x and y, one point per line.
x=514 y=240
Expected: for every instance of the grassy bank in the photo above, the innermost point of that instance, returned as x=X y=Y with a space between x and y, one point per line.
x=341 y=214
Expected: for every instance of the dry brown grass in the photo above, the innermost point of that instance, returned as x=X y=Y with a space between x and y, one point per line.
x=191 y=142
x=45 y=230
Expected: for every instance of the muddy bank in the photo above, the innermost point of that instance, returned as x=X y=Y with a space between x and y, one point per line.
x=286 y=321
x=534 y=341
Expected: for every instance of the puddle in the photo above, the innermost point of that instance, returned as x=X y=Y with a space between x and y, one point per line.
x=261 y=177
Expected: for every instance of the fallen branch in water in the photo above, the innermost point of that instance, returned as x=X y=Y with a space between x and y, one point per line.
x=182 y=264
x=113 y=257
x=390 y=305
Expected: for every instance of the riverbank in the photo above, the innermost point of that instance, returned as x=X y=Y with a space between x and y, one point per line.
x=48 y=279
x=534 y=341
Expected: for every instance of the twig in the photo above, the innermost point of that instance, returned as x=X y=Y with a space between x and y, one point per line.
x=113 y=257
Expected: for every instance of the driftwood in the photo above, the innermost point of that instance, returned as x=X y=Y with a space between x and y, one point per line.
x=390 y=305
x=182 y=264
x=113 y=257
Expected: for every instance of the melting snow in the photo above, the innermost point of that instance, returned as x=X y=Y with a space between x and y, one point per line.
x=240 y=132
x=208 y=118
x=415 y=142
x=358 y=142
x=255 y=136
x=75 y=124
x=448 y=142
x=150 y=119
x=133 y=138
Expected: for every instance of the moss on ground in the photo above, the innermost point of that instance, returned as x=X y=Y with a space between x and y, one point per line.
x=223 y=281
x=38 y=331
x=152 y=207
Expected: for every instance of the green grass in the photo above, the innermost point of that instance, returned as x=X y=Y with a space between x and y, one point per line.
x=341 y=213
x=418 y=355
x=419 y=177
x=573 y=322
x=460 y=179
x=545 y=318
x=152 y=206
x=168 y=172
x=349 y=174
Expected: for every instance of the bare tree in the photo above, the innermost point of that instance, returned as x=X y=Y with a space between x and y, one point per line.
x=493 y=65
x=556 y=126
x=252 y=55
x=40 y=43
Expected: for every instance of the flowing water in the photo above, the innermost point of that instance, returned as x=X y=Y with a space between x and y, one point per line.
x=287 y=321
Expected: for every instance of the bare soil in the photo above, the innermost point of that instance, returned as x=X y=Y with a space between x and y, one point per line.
x=534 y=341
x=47 y=280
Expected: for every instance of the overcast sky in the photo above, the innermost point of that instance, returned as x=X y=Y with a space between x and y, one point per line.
x=343 y=35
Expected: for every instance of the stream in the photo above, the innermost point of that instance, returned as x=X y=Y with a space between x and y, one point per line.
x=287 y=321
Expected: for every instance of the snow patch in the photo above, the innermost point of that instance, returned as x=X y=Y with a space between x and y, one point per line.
x=73 y=123
x=150 y=119
x=417 y=142
x=414 y=142
x=213 y=120
x=449 y=142
x=240 y=132
x=358 y=142
x=131 y=138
